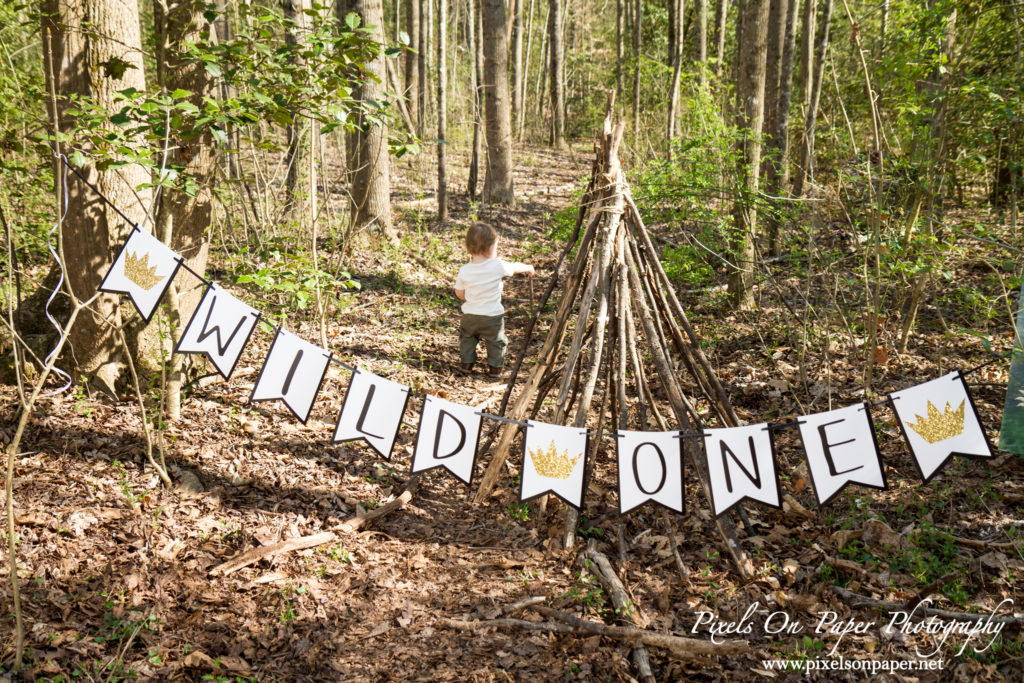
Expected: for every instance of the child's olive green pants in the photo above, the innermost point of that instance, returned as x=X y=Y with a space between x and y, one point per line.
x=489 y=328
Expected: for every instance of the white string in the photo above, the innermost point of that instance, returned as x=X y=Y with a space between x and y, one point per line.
x=56 y=290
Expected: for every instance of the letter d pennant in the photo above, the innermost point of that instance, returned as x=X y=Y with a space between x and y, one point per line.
x=447 y=437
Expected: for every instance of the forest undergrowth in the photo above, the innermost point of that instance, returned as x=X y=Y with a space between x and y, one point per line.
x=116 y=569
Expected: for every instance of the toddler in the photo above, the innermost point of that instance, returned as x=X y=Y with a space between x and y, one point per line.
x=479 y=285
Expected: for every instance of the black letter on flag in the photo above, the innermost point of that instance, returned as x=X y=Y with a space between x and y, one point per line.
x=636 y=470
x=756 y=477
x=204 y=333
x=437 y=435
x=366 y=409
x=826 y=447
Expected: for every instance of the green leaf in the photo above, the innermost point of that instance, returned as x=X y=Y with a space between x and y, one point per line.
x=352 y=20
x=213 y=69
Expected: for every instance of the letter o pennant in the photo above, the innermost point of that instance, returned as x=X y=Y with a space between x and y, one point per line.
x=650 y=469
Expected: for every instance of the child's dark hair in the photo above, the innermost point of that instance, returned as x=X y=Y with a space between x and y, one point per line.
x=479 y=238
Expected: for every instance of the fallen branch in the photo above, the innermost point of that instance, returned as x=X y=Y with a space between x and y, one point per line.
x=864 y=601
x=359 y=521
x=254 y=555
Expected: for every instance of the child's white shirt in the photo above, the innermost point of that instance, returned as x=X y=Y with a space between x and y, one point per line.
x=482 y=283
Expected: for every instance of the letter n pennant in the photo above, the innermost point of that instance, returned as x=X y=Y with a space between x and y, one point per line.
x=938 y=420
x=841 y=449
x=741 y=464
x=447 y=437
x=143 y=269
x=372 y=411
x=650 y=469
x=293 y=372
x=220 y=328
x=553 y=462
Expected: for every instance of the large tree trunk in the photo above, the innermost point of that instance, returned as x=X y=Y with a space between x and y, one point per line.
x=369 y=167
x=498 y=185
x=805 y=167
x=752 y=42
x=557 y=137
x=442 y=104
x=79 y=36
x=412 y=61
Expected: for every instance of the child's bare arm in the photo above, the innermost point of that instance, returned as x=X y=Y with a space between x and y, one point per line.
x=461 y=293
x=518 y=268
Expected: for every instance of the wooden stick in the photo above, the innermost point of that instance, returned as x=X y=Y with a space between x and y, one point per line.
x=354 y=523
x=254 y=555
x=864 y=601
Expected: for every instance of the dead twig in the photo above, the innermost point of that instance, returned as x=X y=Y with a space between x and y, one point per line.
x=254 y=555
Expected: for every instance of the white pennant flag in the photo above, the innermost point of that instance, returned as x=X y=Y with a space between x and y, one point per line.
x=143 y=269
x=220 y=328
x=447 y=437
x=741 y=464
x=938 y=420
x=553 y=462
x=841 y=449
x=372 y=410
x=650 y=468
x=293 y=372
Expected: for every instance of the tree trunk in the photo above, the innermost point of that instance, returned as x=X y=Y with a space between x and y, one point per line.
x=294 y=12
x=421 y=65
x=369 y=167
x=619 y=40
x=673 y=37
x=412 y=60
x=442 y=104
x=498 y=184
x=721 y=16
x=475 y=78
x=79 y=36
x=752 y=41
x=637 y=13
x=557 y=137
x=806 y=79
x=701 y=40
x=805 y=167
x=517 y=59
x=673 y=95
x=521 y=121
x=778 y=172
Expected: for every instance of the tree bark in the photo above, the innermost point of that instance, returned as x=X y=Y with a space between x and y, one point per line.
x=778 y=172
x=369 y=167
x=557 y=137
x=752 y=41
x=498 y=183
x=619 y=40
x=701 y=40
x=473 y=32
x=442 y=104
x=721 y=16
x=517 y=59
x=521 y=121
x=421 y=64
x=637 y=14
x=294 y=12
x=412 y=80
x=805 y=167
x=79 y=37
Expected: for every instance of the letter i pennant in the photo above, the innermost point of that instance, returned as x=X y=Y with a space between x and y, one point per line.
x=372 y=411
x=447 y=437
x=293 y=372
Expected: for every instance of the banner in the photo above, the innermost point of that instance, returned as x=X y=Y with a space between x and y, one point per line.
x=554 y=459
x=650 y=468
x=293 y=372
x=935 y=435
x=447 y=437
x=143 y=269
x=741 y=464
x=841 y=449
x=220 y=328
x=372 y=411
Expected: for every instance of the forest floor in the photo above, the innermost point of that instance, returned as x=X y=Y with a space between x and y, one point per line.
x=116 y=570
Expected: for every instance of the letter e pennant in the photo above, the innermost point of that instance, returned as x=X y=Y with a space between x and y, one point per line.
x=741 y=464
x=293 y=372
x=143 y=269
x=447 y=437
x=938 y=420
x=650 y=468
x=553 y=462
x=841 y=449
x=220 y=328
x=372 y=411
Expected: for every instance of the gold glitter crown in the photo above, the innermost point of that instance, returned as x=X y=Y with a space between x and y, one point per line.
x=939 y=426
x=552 y=465
x=140 y=272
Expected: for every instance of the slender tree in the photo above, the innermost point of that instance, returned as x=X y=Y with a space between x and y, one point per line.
x=369 y=169
x=752 y=46
x=619 y=41
x=93 y=48
x=701 y=40
x=517 y=59
x=498 y=184
x=295 y=14
x=778 y=135
x=805 y=166
x=721 y=16
x=442 y=105
x=412 y=60
x=475 y=80
x=557 y=137
x=637 y=13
